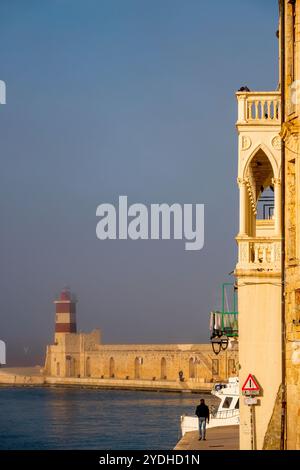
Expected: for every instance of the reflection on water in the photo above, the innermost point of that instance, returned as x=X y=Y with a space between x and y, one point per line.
x=60 y=418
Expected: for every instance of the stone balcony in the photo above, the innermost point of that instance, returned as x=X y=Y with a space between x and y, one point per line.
x=259 y=108
x=260 y=254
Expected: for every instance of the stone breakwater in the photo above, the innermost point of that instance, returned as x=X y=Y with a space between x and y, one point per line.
x=34 y=376
x=21 y=376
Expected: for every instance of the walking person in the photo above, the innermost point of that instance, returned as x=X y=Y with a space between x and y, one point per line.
x=202 y=412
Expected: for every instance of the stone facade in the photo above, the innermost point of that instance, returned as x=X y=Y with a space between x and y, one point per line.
x=269 y=342
x=83 y=356
x=258 y=270
x=290 y=134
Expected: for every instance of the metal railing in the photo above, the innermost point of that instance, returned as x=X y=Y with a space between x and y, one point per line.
x=226 y=321
x=224 y=414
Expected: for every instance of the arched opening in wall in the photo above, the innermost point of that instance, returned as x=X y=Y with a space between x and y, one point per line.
x=73 y=367
x=137 y=368
x=111 y=367
x=163 y=369
x=58 y=369
x=192 y=368
x=68 y=366
x=215 y=367
x=231 y=367
x=261 y=206
x=88 y=367
x=266 y=204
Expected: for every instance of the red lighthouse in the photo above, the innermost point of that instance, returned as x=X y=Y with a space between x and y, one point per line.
x=65 y=318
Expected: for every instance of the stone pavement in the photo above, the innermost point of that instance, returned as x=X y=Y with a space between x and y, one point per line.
x=221 y=438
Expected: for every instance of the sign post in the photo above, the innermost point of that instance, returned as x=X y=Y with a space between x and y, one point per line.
x=251 y=389
x=252 y=424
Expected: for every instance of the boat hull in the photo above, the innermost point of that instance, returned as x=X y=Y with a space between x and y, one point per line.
x=190 y=423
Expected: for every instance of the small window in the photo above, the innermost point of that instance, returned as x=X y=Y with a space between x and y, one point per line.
x=227 y=402
x=192 y=368
x=237 y=405
x=297 y=304
x=231 y=366
x=215 y=366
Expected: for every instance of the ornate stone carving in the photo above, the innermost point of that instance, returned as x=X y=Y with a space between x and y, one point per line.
x=241 y=181
x=276 y=181
x=277 y=252
x=246 y=142
x=276 y=142
x=244 y=255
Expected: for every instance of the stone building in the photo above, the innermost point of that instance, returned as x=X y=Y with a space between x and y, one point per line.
x=290 y=135
x=258 y=270
x=82 y=358
x=268 y=268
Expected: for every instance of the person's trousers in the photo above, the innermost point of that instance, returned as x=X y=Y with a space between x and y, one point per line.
x=202 y=427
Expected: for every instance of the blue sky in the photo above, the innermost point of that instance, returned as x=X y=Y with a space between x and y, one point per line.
x=106 y=98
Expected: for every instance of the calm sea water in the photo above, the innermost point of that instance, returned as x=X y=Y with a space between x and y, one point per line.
x=58 y=418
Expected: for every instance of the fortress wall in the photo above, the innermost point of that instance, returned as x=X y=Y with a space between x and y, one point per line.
x=161 y=385
x=80 y=356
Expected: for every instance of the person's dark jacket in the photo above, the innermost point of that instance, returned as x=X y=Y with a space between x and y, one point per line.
x=202 y=411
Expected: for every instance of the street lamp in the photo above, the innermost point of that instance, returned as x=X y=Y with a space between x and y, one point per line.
x=219 y=343
x=224 y=342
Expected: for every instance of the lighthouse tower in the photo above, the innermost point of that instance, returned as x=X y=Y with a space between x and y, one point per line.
x=65 y=318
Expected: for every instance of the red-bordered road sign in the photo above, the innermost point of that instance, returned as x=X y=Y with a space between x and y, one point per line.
x=251 y=385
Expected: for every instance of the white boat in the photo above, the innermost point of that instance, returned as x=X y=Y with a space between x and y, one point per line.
x=227 y=413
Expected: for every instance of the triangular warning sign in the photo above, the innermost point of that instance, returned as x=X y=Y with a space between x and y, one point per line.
x=250 y=384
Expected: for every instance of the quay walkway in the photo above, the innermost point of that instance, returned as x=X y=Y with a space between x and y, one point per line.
x=220 y=438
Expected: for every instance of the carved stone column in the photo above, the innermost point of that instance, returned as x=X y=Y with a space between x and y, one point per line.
x=243 y=207
x=277 y=209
